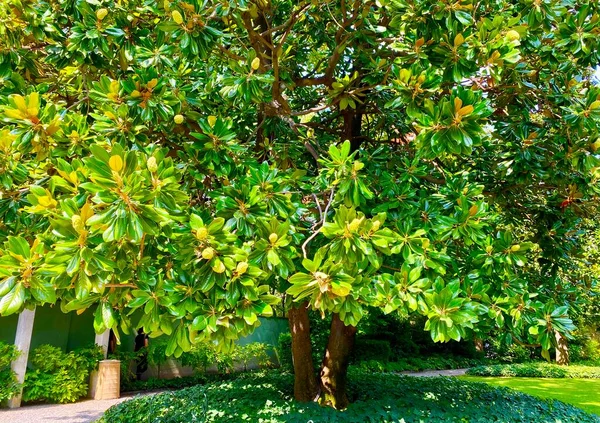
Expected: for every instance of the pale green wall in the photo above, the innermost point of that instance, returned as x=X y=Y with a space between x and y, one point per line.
x=70 y=331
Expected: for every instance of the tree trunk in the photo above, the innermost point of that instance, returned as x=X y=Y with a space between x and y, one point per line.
x=352 y=129
x=334 y=369
x=562 y=349
x=305 y=381
x=479 y=347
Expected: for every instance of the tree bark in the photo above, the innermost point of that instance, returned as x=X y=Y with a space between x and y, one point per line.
x=352 y=128
x=305 y=381
x=334 y=370
x=479 y=347
x=562 y=349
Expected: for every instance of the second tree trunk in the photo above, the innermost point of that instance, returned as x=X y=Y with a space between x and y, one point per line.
x=334 y=369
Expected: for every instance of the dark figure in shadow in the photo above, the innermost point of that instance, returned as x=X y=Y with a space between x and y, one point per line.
x=141 y=343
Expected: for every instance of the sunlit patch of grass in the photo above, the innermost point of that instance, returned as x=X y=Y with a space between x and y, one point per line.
x=582 y=393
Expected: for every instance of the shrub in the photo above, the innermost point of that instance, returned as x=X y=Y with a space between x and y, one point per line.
x=376 y=398
x=498 y=350
x=414 y=364
x=154 y=383
x=372 y=349
x=59 y=377
x=543 y=370
x=284 y=351
x=8 y=381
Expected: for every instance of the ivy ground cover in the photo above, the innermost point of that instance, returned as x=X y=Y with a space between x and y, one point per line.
x=375 y=398
x=583 y=393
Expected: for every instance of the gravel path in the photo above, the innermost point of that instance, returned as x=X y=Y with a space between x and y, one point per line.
x=80 y=412
x=89 y=411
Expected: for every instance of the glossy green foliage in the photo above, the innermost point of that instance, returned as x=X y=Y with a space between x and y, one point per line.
x=378 y=398
x=59 y=377
x=206 y=163
x=8 y=380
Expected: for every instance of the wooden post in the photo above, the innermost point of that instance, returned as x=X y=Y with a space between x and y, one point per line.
x=102 y=340
x=22 y=342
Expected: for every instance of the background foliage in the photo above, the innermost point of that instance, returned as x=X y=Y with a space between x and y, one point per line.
x=204 y=161
x=8 y=380
x=59 y=377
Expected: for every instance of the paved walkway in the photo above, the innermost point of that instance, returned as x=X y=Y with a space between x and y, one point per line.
x=80 y=412
x=430 y=373
x=89 y=411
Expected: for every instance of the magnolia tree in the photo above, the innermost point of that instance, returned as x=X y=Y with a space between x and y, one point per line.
x=204 y=161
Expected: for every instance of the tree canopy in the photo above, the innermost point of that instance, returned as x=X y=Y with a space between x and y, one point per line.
x=209 y=162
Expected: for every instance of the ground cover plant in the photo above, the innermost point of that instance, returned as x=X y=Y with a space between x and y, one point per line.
x=8 y=380
x=537 y=370
x=582 y=393
x=375 y=398
x=208 y=162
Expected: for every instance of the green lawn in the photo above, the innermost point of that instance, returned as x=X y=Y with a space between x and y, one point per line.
x=582 y=393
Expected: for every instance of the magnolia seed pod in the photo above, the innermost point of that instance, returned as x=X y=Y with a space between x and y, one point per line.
x=273 y=238
x=152 y=165
x=77 y=222
x=208 y=253
x=219 y=267
x=101 y=13
x=241 y=268
x=513 y=35
x=202 y=233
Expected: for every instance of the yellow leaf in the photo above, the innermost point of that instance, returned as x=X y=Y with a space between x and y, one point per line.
x=47 y=201
x=177 y=17
x=114 y=86
x=73 y=177
x=464 y=111
x=152 y=83
x=20 y=103
x=457 y=104
x=458 y=40
x=14 y=114
x=86 y=212
x=33 y=100
x=116 y=163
